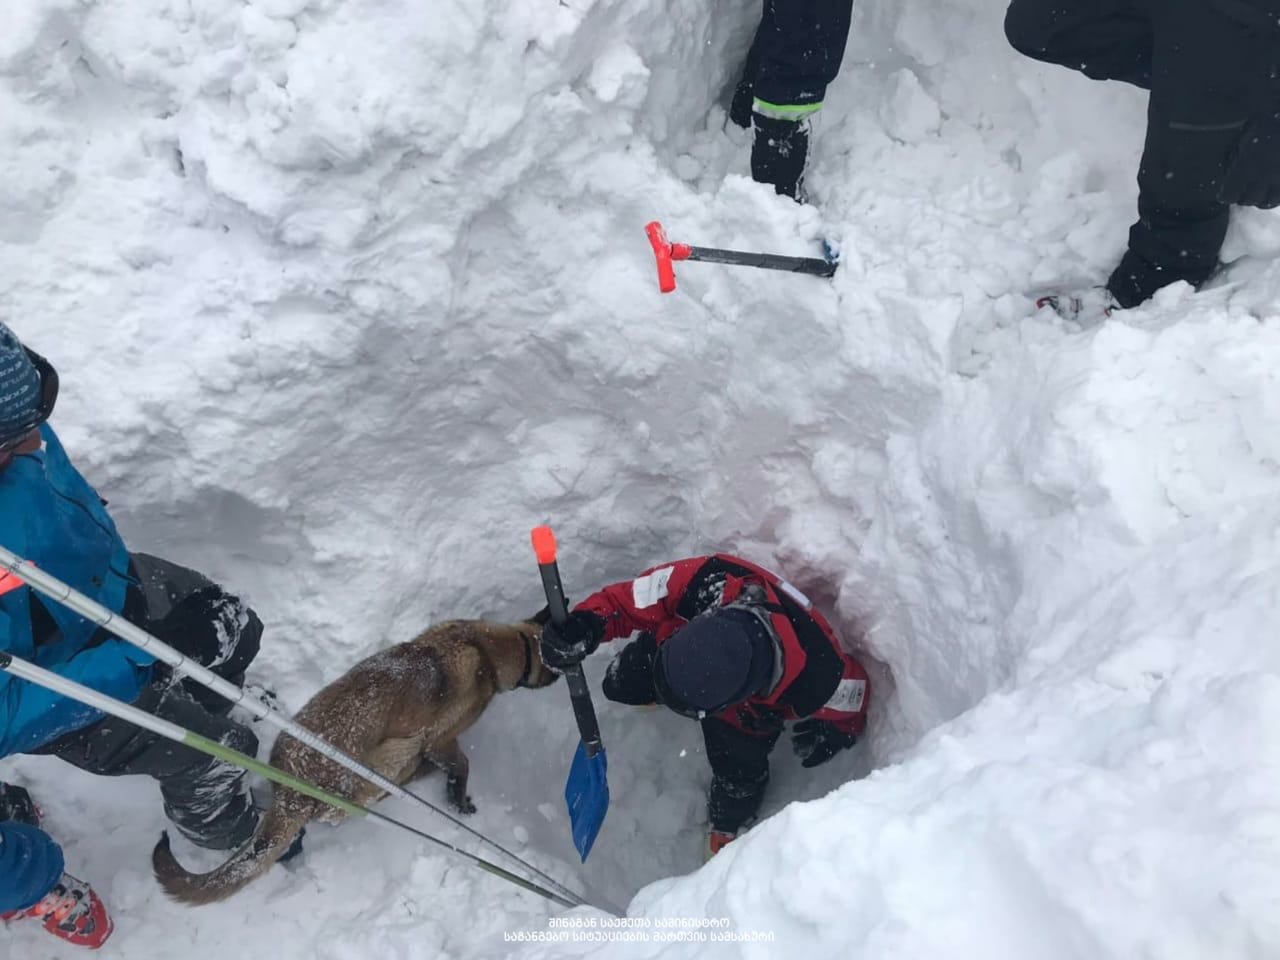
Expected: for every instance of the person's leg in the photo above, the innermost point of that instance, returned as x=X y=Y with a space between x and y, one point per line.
x=30 y=865
x=1209 y=77
x=34 y=885
x=207 y=800
x=199 y=619
x=798 y=49
x=739 y=773
x=795 y=54
x=1103 y=39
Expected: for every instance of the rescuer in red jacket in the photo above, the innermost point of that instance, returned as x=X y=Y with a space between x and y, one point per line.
x=723 y=641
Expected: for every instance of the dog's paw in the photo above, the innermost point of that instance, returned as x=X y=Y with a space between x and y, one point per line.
x=456 y=791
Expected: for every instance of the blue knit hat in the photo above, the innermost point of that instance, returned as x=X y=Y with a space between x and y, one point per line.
x=19 y=388
x=720 y=658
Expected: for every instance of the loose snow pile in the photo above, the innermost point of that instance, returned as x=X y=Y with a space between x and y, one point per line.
x=346 y=296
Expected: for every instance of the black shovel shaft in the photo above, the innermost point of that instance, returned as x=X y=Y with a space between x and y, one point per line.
x=769 y=261
x=580 y=694
x=551 y=586
x=583 y=710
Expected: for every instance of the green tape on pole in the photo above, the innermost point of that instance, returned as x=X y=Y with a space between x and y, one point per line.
x=275 y=775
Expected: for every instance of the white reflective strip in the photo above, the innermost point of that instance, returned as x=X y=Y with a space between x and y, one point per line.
x=794 y=593
x=848 y=697
x=648 y=590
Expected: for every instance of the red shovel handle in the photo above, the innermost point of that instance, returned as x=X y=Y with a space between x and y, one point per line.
x=661 y=253
x=664 y=252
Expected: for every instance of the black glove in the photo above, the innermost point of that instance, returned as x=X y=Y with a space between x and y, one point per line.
x=778 y=153
x=569 y=645
x=817 y=741
x=744 y=97
x=16 y=805
x=1252 y=175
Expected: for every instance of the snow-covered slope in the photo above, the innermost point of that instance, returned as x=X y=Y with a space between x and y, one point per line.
x=348 y=295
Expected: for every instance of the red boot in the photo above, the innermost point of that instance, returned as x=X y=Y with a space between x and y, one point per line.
x=717 y=840
x=71 y=911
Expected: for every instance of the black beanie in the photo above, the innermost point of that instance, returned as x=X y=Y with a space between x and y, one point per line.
x=720 y=658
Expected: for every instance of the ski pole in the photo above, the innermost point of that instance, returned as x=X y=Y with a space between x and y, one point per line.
x=171 y=731
x=56 y=590
x=665 y=253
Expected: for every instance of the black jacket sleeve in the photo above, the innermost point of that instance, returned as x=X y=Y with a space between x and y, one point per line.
x=629 y=678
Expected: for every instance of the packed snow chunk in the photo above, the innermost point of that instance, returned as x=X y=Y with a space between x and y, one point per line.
x=619 y=75
x=908 y=112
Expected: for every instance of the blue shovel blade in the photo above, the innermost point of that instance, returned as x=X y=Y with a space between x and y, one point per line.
x=586 y=793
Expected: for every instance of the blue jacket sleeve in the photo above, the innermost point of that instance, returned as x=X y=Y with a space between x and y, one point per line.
x=31 y=716
x=30 y=865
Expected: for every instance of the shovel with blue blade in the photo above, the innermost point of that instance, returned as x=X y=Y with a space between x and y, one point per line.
x=586 y=792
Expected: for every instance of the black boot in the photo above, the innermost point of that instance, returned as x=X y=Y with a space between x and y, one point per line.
x=16 y=805
x=778 y=153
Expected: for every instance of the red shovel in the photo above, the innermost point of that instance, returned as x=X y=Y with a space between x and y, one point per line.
x=666 y=252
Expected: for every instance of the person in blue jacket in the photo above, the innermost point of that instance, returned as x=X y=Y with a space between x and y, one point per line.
x=50 y=515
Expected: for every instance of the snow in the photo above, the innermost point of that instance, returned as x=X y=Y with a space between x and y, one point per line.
x=346 y=297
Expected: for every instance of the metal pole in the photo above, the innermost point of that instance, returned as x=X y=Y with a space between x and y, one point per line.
x=171 y=731
x=95 y=612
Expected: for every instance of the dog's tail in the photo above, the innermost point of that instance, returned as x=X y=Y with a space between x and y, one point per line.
x=276 y=832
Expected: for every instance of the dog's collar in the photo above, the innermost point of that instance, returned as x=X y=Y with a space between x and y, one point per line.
x=528 y=662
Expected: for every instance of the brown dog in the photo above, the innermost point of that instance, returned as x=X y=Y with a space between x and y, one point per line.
x=400 y=712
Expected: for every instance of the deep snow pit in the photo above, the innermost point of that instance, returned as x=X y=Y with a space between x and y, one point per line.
x=346 y=297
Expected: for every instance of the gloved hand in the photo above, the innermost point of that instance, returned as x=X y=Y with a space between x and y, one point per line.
x=744 y=96
x=1252 y=175
x=817 y=741
x=778 y=153
x=567 y=646
x=717 y=840
x=543 y=616
x=16 y=804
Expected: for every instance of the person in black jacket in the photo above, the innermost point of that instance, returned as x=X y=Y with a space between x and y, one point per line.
x=796 y=53
x=1213 y=120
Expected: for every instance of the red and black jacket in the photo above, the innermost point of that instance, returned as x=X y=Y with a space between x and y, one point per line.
x=819 y=678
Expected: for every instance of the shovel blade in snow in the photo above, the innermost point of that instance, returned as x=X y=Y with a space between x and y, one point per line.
x=586 y=794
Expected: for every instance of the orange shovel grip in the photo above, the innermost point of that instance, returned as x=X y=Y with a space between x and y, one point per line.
x=544 y=544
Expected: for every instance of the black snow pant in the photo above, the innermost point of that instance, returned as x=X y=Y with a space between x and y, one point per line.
x=739 y=759
x=795 y=54
x=206 y=799
x=1209 y=70
x=739 y=771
